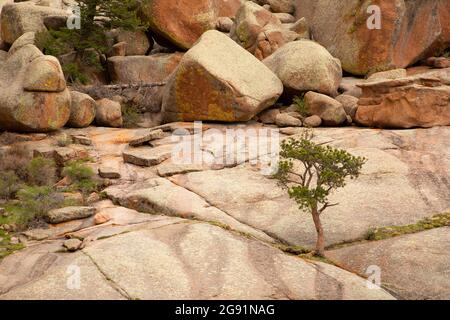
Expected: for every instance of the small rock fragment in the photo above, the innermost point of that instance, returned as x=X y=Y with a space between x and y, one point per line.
x=72 y=245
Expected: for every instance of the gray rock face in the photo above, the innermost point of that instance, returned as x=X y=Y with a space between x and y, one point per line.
x=414 y=266
x=306 y=66
x=69 y=213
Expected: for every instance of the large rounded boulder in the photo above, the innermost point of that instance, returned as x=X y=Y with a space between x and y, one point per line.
x=373 y=35
x=219 y=80
x=20 y=18
x=182 y=22
x=33 y=93
x=306 y=66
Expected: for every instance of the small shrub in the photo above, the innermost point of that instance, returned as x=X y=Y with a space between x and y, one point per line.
x=91 y=38
x=9 y=184
x=302 y=107
x=41 y=172
x=6 y=247
x=63 y=140
x=446 y=53
x=130 y=116
x=15 y=159
x=37 y=201
x=81 y=177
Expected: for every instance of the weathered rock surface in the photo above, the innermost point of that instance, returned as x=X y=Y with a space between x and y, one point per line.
x=20 y=18
x=143 y=69
x=259 y=31
x=404 y=180
x=183 y=22
x=215 y=80
x=414 y=266
x=33 y=94
x=150 y=136
x=409 y=31
x=68 y=214
x=306 y=66
x=416 y=101
x=328 y=109
x=388 y=75
x=82 y=110
x=147 y=156
x=176 y=255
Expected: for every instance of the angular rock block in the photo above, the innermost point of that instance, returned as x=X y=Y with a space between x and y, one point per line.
x=218 y=80
x=417 y=101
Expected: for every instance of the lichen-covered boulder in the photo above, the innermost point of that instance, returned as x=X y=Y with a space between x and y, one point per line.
x=306 y=66
x=19 y=18
x=408 y=31
x=82 y=110
x=33 y=93
x=219 y=80
x=182 y=22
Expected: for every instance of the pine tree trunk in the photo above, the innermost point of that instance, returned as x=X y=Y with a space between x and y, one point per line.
x=320 y=244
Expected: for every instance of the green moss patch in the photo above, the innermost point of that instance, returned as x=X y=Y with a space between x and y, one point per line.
x=6 y=247
x=437 y=221
x=295 y=250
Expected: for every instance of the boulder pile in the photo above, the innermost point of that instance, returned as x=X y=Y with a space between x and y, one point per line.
x=33 y=92
x=277 y=61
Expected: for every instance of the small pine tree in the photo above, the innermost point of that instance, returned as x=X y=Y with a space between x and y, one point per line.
x=325 y=169
x=90 y=41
